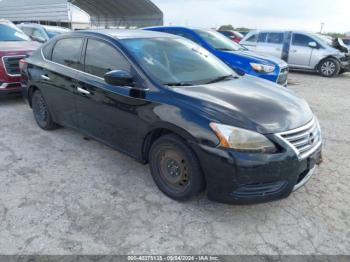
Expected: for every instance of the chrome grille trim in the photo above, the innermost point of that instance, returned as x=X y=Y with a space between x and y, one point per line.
x=304 y=140
x=12 y=67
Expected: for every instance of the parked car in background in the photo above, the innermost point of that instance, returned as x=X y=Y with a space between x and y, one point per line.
x=244 y=33
x=42 y=33
x=302 y=50
x=236 y=56
x=347 y=42
x=168 y=102
x=14 y=45
x=233 y=35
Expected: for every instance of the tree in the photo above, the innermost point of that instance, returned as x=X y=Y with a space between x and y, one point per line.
x=226 y=27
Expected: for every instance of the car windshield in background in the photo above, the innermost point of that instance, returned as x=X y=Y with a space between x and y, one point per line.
x=218 y=41
x=346 y=41
x=10 y=33
x=176 y=61
x=53 y=32
x=324 y=39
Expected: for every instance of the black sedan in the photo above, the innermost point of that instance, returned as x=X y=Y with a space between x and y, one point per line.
x=168 y=102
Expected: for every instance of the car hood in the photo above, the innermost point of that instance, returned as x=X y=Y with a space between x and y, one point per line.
x=262 y=58
x=251 y=103
x=18 y=46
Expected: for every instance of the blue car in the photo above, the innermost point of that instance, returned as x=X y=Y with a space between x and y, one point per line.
x=233 y=54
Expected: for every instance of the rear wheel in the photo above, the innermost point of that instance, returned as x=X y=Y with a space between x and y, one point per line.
x=175 y=169
x=329 y=67
x=41 y=112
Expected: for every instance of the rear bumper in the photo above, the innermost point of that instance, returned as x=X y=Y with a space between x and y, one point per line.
x=243 y=178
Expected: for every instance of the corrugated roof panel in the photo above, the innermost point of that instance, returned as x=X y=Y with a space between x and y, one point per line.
x=102 y=12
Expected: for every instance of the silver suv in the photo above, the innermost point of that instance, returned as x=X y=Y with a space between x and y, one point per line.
x=302 y=50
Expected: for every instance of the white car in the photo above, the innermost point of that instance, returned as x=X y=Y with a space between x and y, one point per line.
x=301 y=50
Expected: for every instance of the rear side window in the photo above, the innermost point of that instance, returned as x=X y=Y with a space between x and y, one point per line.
x=67 y=52
x=301 y=40
x=101 y=58
x=275 y=38
x=252 y=38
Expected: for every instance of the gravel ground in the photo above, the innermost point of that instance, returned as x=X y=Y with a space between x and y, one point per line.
x=62 y=194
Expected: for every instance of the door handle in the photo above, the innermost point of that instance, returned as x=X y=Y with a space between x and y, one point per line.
x=294 y=51
x=278 y=49
x=45 y=77
x=83 y=91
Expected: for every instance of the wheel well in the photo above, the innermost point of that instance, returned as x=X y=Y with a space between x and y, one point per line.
x=152 y=137
x=31 y=90
x=319 y=63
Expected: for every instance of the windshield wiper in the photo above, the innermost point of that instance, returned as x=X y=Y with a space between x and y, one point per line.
x=177 y=84
x=220 y=78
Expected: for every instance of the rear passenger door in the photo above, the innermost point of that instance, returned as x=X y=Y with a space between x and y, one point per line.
x=300 y=52
x=57 y=80
x=270 y=43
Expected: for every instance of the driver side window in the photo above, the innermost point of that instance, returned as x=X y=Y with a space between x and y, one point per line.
x=301 y=40
x=101 y=58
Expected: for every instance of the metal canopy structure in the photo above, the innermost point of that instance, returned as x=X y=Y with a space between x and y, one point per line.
x=103 y=13
x=139 y=13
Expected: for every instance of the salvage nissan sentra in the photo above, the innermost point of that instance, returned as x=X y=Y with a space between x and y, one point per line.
x=166 y=101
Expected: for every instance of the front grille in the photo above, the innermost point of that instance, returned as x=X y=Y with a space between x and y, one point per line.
x=11 y=64
x=304 y=140
x=260 y=189
x=283 y=76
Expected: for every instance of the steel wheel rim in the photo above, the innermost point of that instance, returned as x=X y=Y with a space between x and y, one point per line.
x=41 y=109
x=328 y=68
x=174 y=170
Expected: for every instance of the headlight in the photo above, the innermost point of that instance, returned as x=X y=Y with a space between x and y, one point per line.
x=242 y=139
x=261 y=68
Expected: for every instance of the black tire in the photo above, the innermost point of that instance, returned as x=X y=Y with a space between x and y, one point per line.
x=329 y=67
x=41 y=112
x=175 y=168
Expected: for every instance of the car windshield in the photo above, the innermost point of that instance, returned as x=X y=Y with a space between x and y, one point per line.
x=52 y=32
x=219 y=41
x=11 y=33
x=323 y=39
x=346 y=41
x=177 y=61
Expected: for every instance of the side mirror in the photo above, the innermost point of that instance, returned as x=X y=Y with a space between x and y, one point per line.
x=313 y=44
x=38 y=39
x=119 y=78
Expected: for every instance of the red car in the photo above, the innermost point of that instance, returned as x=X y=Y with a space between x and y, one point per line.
x=233 y=35
x=14 y=45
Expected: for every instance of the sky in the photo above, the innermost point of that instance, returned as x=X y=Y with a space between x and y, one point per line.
x=258 y=14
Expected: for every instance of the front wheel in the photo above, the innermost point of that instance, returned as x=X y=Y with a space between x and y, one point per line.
x=41 y=112
x=175 y=169
x=329 y=67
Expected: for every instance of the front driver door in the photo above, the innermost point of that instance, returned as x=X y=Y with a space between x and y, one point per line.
x=105 y=112
x=300 y=52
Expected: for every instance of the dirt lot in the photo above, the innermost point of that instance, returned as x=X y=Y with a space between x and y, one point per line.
x=61 y=194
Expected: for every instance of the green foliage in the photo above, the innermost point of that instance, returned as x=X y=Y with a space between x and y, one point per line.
x=226 y=27
x=230 y=27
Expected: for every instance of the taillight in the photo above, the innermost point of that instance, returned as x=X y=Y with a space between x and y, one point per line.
x=22 y=64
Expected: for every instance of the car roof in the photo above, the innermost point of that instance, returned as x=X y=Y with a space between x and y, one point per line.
x=128 y=33
x=279 y=31
x=180 y=27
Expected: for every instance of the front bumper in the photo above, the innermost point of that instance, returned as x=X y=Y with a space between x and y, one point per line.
x=243 y=178
x=345 y=65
